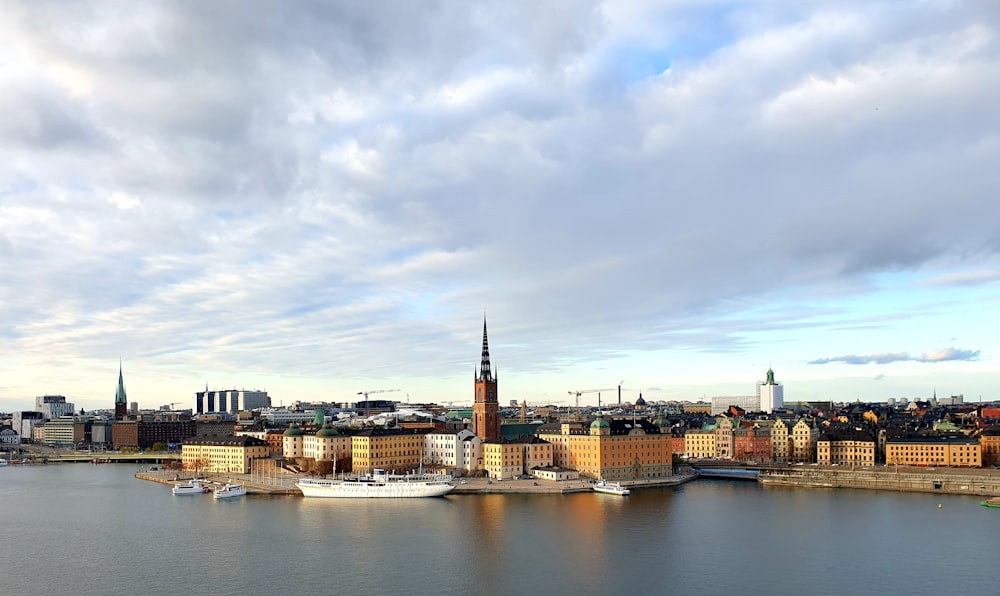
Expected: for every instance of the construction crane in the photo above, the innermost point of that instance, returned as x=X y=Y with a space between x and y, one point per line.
x=582 y=392
x=367 y=393
x=176 y=403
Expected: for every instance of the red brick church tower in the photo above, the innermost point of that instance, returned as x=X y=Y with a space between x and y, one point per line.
x=486 y=408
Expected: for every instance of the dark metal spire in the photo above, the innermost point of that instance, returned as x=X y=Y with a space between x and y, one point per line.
x=484 y=366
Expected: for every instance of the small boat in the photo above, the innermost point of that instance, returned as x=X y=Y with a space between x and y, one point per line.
x=230 y=491
x=3 y=462
x=610 y=488
x=994 y=502
x=191 y=487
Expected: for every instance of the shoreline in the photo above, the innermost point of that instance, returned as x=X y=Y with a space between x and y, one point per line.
x=463 y=486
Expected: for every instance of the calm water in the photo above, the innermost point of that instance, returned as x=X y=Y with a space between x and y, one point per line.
x=83 y=529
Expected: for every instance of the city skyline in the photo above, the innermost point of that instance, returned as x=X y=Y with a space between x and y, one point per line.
x=317 y=200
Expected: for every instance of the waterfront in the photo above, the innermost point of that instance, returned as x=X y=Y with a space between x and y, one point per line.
x=86 y=529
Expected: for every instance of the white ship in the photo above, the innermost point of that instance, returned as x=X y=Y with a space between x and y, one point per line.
x=230 y=491
x=192 y=487
x=611 y=488
x=379 y=484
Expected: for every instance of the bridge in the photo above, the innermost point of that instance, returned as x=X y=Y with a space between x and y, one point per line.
x=154 y=457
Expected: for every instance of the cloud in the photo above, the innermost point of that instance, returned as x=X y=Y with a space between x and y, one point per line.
x=942 y=355
x=311 y=187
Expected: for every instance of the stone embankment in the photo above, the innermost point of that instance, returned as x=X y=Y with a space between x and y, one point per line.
x=254 y=485
x=950 y=481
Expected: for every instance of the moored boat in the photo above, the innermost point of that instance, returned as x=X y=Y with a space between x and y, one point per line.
x=191 y=487
x=230 y=491
x=610 y=488
x=379 y=484
x=994 y=502
x=3 y=462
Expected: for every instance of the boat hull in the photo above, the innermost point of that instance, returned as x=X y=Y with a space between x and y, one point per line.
x=192 y=488
x=609 y=488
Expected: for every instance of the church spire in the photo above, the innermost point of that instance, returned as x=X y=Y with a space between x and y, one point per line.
x=485 y=374
x=120 y=395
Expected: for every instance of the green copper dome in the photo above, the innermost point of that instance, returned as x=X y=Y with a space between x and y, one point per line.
x=661 y=422
x=599 y=423
x=293 y=431
x=327 y=431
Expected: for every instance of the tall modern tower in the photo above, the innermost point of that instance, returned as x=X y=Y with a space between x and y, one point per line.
x=486 y=408
x=771 y=395
x=121 y=403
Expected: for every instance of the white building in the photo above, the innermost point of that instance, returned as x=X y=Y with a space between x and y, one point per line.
x=457 y=451
x=53 y=406
x=284 y=416
x=231 y=400
x=770 y=395
x=720 y=405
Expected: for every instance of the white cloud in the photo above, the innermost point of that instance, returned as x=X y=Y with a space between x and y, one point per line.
x=300 y=189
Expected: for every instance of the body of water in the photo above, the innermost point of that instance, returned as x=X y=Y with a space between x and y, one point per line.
x=93 y=530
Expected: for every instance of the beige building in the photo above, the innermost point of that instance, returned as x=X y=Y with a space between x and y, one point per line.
x=851 y=448
x=803 y=444
x=958 y=452
x=615 y=450
x=326 y=445
x=505 y=459
x=222 y=455
x=780 y=443
x=724 y=439
x=699 y=444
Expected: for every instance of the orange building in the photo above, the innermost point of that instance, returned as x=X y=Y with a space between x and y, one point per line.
x=989 y=443
x=612 y=450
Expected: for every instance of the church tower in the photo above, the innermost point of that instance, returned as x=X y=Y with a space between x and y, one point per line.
x=121 y=403
x=486 y=408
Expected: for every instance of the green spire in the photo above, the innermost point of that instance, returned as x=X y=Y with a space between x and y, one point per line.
x=120 y=396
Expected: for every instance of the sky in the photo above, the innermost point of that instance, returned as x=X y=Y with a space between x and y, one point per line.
x=323 y=198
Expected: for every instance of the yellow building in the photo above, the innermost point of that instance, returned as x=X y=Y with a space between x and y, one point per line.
x=803 y=444
x=393 y=450
x=222 y=455
x=699 y=444
x=852 y=448
x=780 y=444
x=934 y=451
x=505 y=459
x=613 y=450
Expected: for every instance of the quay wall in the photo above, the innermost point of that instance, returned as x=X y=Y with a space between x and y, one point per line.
x=941 y=481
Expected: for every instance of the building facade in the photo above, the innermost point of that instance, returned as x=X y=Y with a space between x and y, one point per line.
x=699 y=444
x=231 y=400
x=612 y=450
x=803 y=443
x=393 y=450
x=846 y=448
x=222 y=455
x=959 y=452
x=53 y=406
